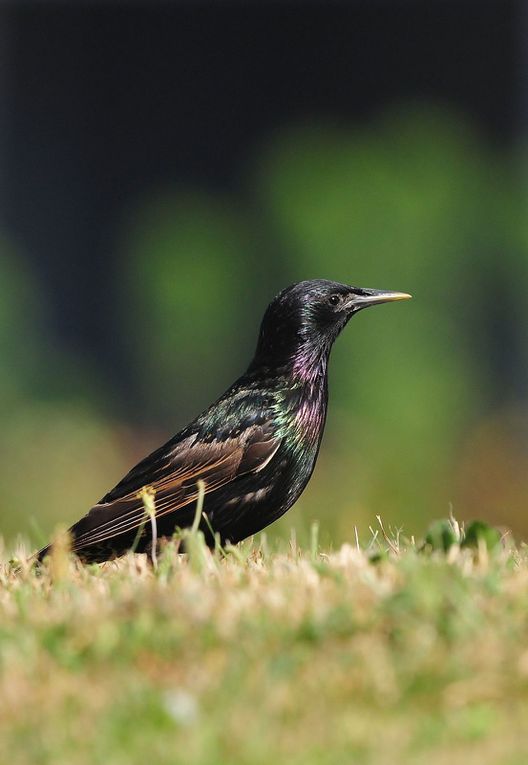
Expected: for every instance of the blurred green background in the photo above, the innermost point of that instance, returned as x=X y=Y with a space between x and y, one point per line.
x=122 y=316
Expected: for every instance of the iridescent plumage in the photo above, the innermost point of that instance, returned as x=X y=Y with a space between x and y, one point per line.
x=254 y=449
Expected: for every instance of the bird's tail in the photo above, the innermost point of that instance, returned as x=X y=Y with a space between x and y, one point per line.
x=41 y=554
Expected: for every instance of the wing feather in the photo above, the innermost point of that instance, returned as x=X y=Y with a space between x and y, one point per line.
x=175 y=483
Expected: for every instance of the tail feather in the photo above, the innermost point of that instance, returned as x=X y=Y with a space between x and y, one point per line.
x=41 y=554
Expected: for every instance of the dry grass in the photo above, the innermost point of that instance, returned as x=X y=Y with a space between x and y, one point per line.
x=255 y=658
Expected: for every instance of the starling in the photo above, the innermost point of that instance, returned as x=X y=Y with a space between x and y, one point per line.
x=252 y=452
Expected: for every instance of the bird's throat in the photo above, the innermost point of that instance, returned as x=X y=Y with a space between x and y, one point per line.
x=310 y=364
x=308 y=396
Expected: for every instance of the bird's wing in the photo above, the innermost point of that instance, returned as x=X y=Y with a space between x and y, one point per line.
x=173 y=474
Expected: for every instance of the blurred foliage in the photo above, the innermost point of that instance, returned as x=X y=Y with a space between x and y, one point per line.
x=428 y=399
x=185 y=261
x=21 y=318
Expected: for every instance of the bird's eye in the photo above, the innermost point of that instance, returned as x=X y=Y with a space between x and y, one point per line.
x=334 y=299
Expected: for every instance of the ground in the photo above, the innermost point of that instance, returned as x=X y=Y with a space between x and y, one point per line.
x=386 y=653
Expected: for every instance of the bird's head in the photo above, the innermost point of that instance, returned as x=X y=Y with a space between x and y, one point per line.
x=304 y=319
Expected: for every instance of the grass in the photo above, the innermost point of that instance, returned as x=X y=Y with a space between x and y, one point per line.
x=385 y=654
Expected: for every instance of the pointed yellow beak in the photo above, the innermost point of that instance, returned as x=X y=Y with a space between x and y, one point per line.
x=375 y=297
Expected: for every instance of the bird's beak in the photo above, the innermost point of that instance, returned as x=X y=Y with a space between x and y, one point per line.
x=366 y=297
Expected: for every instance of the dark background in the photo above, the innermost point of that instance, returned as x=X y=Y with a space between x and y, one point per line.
x=141 y=142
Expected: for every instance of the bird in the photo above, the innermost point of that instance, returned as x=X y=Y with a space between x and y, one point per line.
x=250 y=455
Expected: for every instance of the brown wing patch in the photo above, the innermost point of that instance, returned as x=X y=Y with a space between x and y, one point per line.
x=216 y=464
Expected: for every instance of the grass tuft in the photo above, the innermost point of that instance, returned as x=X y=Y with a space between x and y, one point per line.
x=388 y=651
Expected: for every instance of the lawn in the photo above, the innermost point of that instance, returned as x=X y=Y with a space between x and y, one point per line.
x=385 y=653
